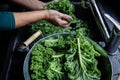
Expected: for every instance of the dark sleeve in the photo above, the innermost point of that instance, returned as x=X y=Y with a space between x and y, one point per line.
x=7 y=21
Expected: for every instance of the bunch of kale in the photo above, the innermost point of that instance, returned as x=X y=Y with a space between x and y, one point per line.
x=65 y=58
x=47 y=28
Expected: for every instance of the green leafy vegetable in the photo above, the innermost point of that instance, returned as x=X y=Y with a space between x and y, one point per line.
x=63 y=6
x=71 y=58
x=48 y=28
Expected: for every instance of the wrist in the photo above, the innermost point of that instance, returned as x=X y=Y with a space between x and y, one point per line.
x=40 y=7
x=47 y=17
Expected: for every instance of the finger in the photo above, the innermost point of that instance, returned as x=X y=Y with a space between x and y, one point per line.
x=66 y=17
x=63 y=23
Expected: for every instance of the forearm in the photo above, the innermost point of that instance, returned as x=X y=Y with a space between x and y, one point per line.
x=24 y=18
x=30 y=4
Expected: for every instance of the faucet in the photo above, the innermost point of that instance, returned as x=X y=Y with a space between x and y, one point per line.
x=114 y=40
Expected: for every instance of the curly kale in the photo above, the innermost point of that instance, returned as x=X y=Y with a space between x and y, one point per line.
x=63 y=6
x=71 y=58
x=47 y=28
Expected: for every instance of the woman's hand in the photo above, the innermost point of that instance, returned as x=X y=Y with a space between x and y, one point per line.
x=31 y=4
x=58 y=18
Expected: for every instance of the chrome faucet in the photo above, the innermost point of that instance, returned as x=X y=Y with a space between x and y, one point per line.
x=114 y=40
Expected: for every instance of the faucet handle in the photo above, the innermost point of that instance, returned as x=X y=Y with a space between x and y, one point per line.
x=115 y=22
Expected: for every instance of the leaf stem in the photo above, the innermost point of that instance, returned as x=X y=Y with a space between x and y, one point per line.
x=56 y=71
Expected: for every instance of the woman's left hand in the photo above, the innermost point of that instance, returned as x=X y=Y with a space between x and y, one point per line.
x=58 y=18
